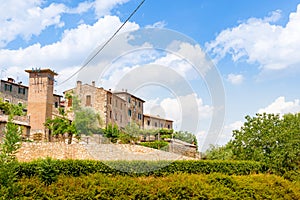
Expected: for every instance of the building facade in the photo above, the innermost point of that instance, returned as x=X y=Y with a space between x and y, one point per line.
x=156 y=122
x=119 y=108
x=13 y=92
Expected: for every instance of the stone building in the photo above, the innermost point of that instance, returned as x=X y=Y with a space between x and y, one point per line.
x=119 y=108
x=156 y=122
x=134 y=107
x=13 y=92
x=40 y=98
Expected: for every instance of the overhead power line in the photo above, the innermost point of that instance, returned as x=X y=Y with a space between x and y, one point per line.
x=103 y=46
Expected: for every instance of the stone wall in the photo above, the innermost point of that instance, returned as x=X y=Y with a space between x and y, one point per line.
x=183 y=150
x=56 y=150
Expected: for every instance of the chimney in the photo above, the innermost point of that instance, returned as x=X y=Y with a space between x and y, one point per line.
x=93 y=83
x=79 y=84
x=11 y=80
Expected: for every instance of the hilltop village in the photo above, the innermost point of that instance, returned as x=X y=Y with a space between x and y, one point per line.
x=40 y=103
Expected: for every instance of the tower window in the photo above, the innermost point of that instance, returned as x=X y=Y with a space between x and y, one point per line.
x=88 y=100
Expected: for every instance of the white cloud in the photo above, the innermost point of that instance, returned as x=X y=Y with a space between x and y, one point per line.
x=103 y=7
x=226 y=134
x=260 y=41
x=159 y=24
x=186 y=111
x=235 y=78
x=26 y=18
x=281 y=106
x=75 y=45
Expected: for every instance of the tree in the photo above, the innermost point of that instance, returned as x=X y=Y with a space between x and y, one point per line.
x=11 y=109
x=112 y=132
x=269 y=139
x=186 y=137
x=131 y=132
x=60 y=125
x=218 y=153
x=86 y=120
x=8 y=149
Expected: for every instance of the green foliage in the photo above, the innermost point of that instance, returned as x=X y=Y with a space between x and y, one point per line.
x=112 y=132
x=175 y=186
x=186 y=137
x=219 y=153
x=142 y=168
x=61 y=125
x=270 y=139
x=131 y=132
x=157 y=144
x=47 y=172
x=11 y=142
x=9 y=147
x=166 y=131
x=11 y=109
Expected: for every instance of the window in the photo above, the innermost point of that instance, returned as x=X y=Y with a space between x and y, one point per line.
x=116 y=103
x=21 y=90
x=110 y=114
x=155 y=124
x=88 y=100
x=129 y=99
x=139 y=116
x=116 y=116
x=109 y=100
x=169 y=127
x=121 y=105
x=139 y=104
x=56 y=104
x=129 y=112
x=148 y=122
x=161 y=125
x=8 y=87
x=70 y=102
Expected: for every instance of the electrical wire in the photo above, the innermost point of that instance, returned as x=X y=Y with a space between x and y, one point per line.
x=103 y=46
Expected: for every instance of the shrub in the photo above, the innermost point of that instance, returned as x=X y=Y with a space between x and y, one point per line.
x=139 y=168
x=157 y=144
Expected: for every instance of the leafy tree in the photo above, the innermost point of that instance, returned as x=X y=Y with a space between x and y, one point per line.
x=186 y=137
x=132 y=131
x=11 y=109
x=60 y=125
x=8 y=149
x=270 y=139
x=86 y=120
x=218 y=153
x=112 y=132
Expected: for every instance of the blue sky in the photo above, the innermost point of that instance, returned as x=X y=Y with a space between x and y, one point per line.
x=254 y=45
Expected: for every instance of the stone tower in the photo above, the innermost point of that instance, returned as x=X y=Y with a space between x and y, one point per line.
x=40 y=98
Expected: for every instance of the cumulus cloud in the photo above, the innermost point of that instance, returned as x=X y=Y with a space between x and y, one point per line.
x=281 y=106
x=235 y=78
x=27 y=18
x=76 y=44
x=260 y=41
x=103 y=7
x=159 y=24
x=181 y=109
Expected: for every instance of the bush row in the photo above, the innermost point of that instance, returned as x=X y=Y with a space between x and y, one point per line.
x=157 y=144
x=174 y=186
x=139 y=168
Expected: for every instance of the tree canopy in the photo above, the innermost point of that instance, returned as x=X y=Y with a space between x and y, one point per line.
x=267 y=138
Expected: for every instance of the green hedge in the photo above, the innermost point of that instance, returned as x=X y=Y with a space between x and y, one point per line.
x=157 y=144
x=140 y=168
x=174 y=186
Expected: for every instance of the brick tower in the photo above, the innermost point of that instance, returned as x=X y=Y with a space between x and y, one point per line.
x=40 y=98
